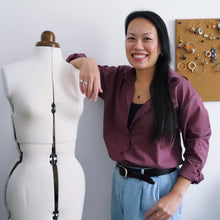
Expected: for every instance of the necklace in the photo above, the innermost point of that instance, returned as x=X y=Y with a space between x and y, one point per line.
x=141 y=91
x=140 y=94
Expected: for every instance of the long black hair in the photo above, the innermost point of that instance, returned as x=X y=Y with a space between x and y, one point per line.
x=164 y=125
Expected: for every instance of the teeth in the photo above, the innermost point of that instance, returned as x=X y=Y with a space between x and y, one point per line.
x=139 y=56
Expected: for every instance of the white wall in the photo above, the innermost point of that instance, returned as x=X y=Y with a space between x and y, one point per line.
x=96 y=28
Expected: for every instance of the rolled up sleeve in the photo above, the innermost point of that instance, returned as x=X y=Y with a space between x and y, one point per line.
x=196 y=131
x=74 y=56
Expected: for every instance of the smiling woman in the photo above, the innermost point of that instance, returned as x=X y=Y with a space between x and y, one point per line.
x=142 y=51
x=146 y=107
x=142 y=48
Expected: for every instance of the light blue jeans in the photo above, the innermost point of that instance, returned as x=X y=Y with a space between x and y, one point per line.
x=131 y=198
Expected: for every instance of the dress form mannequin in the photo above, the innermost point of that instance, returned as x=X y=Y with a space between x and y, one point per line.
x=31 y=86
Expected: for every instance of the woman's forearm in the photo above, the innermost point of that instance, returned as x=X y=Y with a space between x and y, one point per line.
x=78 y=62
x=180 y=187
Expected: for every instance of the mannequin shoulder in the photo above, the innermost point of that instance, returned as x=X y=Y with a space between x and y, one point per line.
x=17 y=67
x=71 y=68
x=12 y=73
x=70 y=71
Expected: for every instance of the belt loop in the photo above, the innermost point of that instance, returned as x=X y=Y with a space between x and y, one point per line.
x=142 y=170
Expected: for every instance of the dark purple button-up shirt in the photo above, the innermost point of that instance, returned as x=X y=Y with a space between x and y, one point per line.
x=134 y=145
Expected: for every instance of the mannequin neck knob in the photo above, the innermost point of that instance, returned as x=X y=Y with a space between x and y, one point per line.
x=48 y=40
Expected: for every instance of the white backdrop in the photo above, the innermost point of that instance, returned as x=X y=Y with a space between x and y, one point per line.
x=97 y=28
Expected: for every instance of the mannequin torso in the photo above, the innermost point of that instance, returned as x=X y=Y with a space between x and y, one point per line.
x=30 y=86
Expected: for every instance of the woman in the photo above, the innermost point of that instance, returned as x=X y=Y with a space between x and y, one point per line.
x=146 y=107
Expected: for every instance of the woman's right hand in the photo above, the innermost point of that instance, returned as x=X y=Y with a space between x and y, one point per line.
x=89 y=77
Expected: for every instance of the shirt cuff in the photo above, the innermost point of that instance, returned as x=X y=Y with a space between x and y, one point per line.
x=193 y=174
x=74 y=56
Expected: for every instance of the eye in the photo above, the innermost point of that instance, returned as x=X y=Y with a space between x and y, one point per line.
x=130 y=38
x=147 y=38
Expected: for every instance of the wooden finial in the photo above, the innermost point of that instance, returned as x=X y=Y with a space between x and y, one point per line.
x=47 y=39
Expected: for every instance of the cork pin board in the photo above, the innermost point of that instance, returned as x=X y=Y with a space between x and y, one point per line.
x=198 y=55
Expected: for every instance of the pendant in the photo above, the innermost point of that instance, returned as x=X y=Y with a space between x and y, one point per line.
x=139 y=96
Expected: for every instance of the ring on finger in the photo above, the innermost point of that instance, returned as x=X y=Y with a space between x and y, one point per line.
x=83 y=82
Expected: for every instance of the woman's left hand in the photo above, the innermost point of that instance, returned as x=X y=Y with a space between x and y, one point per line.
x=165 y=208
